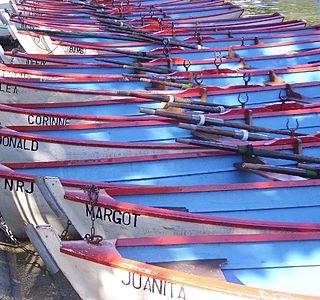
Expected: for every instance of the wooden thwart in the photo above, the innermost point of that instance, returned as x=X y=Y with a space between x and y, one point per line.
x=210 y=268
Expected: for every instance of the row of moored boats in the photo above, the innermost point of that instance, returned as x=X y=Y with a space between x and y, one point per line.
x=179 y=139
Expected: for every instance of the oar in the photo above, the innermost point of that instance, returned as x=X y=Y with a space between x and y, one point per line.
x=203 y=120
x=279 y=169
x=236 y=134
x=251 y=150
x=198 y=107
x=137 y=66
x=153 y=38
x=134 y=35
x=162 y=82
x=176 y=79
x=221 y=107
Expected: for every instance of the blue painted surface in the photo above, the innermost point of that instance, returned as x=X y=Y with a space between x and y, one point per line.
x=84 y=59
x=274 y=50
x=125 y=109
x=168 y=132
x=89 y=40
x=281 y=204
x=87 y=70
x=96 y=85
x=232 y=79
x=195 y=14
x=255 y=98
x=276 y=265
x=125 y=134
x=263 y=40
x=244 y=33
x=186 y=171
x=294 y=77
x=259 y=63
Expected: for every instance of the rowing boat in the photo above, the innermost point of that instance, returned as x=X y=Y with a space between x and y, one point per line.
x=162 y=129
x=245 y=266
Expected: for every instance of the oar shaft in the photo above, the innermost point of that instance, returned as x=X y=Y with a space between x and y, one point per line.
x=198 y=107
x=281 y=170
x=221 y=122
x=236 y=134
x=136 y=66
x=252 y=151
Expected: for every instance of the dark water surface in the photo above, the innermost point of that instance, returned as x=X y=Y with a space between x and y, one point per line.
x=308 y=10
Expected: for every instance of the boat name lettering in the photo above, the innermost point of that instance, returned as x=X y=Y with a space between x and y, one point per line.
x=155 y=286
x=14 y=142
x=18 y=185
x=26 y=26
x=76 y=50
x=13 y=74
x=114 y=216
x=30 y=61
x=31 y=13
x=7 y=88
x=47 y=120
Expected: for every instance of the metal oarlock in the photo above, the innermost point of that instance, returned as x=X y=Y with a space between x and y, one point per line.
x=292 y=130
x=243 y=102
x=166 y=50
x=217 y=59
x=160 y=22
x=186 y=64
x=283 y=98
x=246 y=78
x=198 y=79
x=173 y=32
x=142 y=19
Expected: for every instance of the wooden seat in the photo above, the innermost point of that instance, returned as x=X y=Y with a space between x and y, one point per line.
x=210 y=268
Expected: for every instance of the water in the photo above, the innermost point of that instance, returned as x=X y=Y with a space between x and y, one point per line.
x=308 y=10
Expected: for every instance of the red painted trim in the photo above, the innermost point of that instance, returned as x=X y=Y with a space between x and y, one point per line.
x=79 y=142
x=179 y=61
x=249 y=28
x=116 y=119
x=91 y=162
x=283 y=143
x=116 y=189
x=138 y=121
x=214 y=239
x=61 y=77
x=25 y=83
x=108 y=202
x=187 y=93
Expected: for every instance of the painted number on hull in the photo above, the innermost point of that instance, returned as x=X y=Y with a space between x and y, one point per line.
x=114 y=216
x=155 y=286
x=9 y=89
x=18 y=186
x=35 y=62
x=76 y=50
